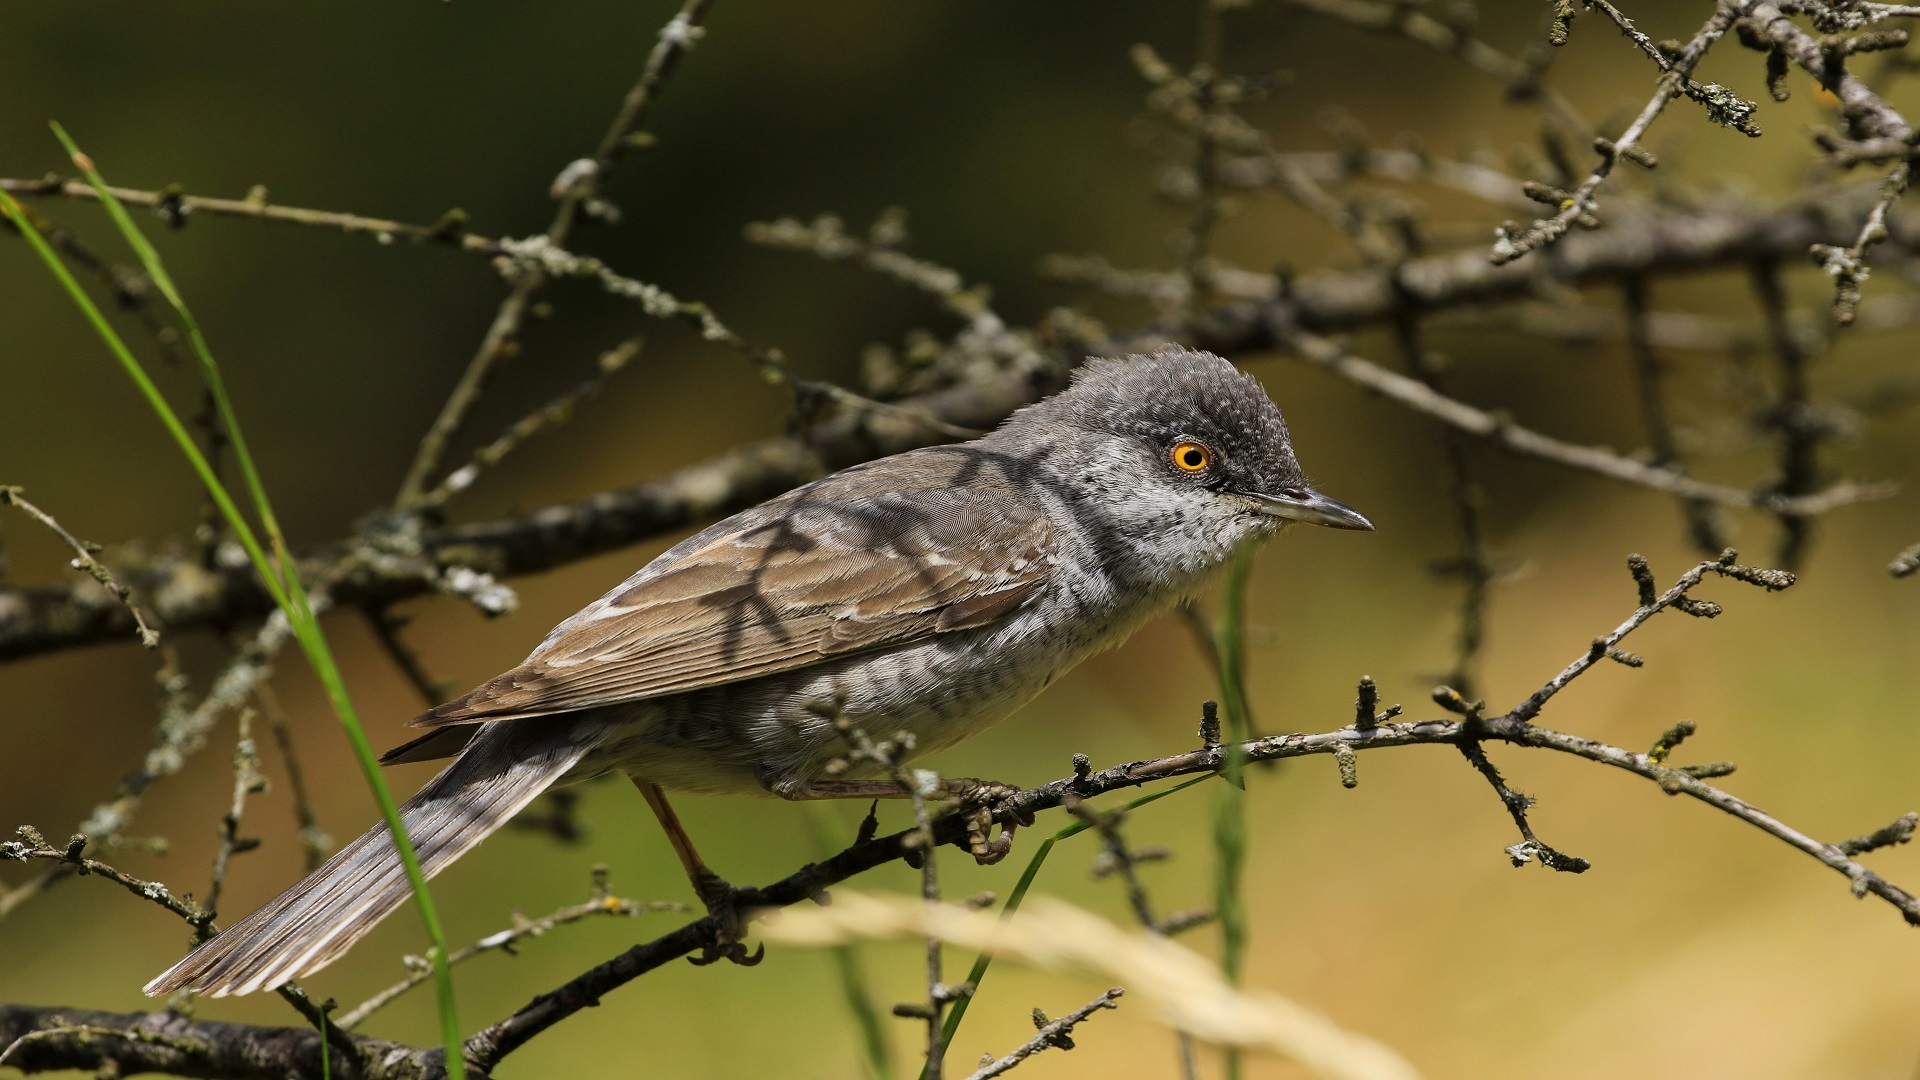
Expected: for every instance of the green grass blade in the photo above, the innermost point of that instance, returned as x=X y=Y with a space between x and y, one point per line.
x=1230 y=805
x=1019 y=895
x=209 y=371
x=181 y=437
x=282 y=580
x=853 y=980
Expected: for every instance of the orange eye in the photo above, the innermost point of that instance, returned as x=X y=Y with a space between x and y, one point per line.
x=1191 y=457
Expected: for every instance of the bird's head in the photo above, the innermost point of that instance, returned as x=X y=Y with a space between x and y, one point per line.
x=1185 y=436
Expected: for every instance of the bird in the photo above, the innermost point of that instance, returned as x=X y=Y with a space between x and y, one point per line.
x=929 y=593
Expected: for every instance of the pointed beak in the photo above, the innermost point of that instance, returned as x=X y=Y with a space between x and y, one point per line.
x=1313 y=508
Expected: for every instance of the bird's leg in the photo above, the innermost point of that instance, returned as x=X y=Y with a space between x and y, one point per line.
x=713 y=890
x=976 y=799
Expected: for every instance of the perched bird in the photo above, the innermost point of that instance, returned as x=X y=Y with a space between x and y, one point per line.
x=931 y=592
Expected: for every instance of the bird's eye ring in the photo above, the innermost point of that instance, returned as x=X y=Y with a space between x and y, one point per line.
x=1191 y=457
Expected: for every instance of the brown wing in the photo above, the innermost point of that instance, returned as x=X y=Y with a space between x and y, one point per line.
x=832 y=569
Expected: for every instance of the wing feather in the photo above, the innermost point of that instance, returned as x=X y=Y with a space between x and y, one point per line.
x=826 y=571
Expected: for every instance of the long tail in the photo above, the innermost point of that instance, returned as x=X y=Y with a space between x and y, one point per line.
x=318 y=919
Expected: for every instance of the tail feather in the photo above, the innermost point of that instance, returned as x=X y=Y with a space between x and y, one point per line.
x=317 y=920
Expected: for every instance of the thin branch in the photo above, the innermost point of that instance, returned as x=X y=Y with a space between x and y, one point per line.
x=1723 y=107
x=1474 y=565
x=551 y=415
x=1051 y=1033
x=1792 y=415
x=313 y=840
x=31 y=846
x=536 y=257
x=600 y=901
x=83 y=559
x=175 y=207
x=921 y=786
x=581 y=184
x=246 y=781
x=1330 y=355
x=1517 y=804
x=1117 y=857
x=1703 y=524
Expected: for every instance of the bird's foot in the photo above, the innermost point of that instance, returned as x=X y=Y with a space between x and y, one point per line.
x=722 y=902
x=978 y=801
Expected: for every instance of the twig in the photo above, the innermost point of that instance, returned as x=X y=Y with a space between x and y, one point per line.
x=677 y=38
x=551 y=415
x=1723 y=107
x=920 y=786
x=32 y=846
x=600 y=901
x=246 y=781
x=1651 y=605
x=1792 y=415
x=1513 y=438
x=83 y=559
x=1530 y=846
x=175 y=207
x=1117 y=858
x=536 y=256
x=1474 y=564
x=387 y=628
x=1847 y=266
x=1051 y=1033
x=1869 y=117
x=854 y=987
x=1703 y=525
x=313 y=840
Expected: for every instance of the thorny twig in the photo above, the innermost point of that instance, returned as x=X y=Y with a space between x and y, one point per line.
x=83 y=559
x=183 y=731
x=175 y=207
x=32 y=846
x=1868 y=115
x=1051 y=1033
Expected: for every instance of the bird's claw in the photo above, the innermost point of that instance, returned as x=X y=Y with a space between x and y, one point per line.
x=722 y=903
x=978 y=801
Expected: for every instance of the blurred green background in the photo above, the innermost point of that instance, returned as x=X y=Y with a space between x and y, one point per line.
x=1695 y=947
